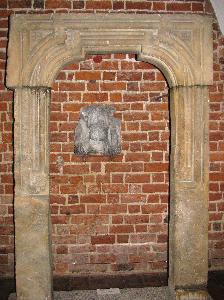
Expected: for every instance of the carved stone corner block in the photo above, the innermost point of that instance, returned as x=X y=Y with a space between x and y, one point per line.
x=189 y=135
x=98 y=132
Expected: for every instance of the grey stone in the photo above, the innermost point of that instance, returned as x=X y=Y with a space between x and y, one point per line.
x=98 y=132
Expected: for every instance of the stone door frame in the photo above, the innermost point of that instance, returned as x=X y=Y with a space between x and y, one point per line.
x=181 y=47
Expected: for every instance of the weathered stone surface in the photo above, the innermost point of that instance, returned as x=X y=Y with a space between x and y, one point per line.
x=31 y=115
x=32 y=216
x=33 y=248
x=181 y=46
x=192 y=295
x=40 y=45
x=97 y=132
x=188 y=261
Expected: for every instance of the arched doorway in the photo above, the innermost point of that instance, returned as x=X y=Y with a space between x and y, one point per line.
x=181 y=47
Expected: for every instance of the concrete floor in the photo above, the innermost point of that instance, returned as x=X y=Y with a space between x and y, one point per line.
x=152 y=293
x=157 y=293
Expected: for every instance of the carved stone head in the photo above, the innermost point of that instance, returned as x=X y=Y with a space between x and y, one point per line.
x=98 y=132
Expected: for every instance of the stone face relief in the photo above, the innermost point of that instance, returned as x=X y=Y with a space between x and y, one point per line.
x=98 y=132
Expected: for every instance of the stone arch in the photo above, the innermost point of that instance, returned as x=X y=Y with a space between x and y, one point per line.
x=181 y=47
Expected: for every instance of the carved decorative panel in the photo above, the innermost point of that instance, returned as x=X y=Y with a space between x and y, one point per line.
x=98 y=132
x=31 y=141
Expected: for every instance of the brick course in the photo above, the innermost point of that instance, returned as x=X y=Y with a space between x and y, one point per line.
x=110 y=214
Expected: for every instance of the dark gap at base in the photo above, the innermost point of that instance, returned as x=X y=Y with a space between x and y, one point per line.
x=127 y=280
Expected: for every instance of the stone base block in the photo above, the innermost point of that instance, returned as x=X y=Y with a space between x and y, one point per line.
x=192 y=295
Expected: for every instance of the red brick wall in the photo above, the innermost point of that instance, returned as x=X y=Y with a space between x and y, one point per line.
x=110 y=213
x=110 y=230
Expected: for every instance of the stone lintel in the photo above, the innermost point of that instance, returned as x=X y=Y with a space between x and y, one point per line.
x=40 y=45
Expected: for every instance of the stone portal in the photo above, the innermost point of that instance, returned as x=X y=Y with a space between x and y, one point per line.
x=181 y=47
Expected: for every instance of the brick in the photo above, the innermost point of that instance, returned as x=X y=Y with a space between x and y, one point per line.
x=137 y=167
x=160 y=146
x=3 y=4
x=158 y=6
x=96 y=198
x=152 y=86
x=109 y=75
x=134 y=137
x=216 y=156
x=135 y=97
x=93 y=209
x=19 y=3
x=162 y=238
x=133 y=126
x=71 y=86
x=122 y=239
x=154 y=208
x=156 y=167
x=118 y=5
x=72 y=209
x=118 y=167
x=113 y=86
x=133 y=116
x=137 y=178
x=88 y=75
x=117 y=178
x=117 y=219
x=132 y=209
x=78 y=4
x=216 y=176
x=136 y=219
x=89 y=219
x=137 y=157
x=142 y=5
x=121 y=229
x=76 y=169
x=129 y=76
x=113 y=198
x=103 y=239
x=115 y=97
x=142 y=238
x=197 y=7
x=98 y=5
x=115 y=188
x=132 y=86
x=53 y=4
x=154 y=188
x=103 y=259
x=127 y=65
x=133 y=198
x=113 y=208
x=62 y=249
x=158 y=107
x=107 y=65
x=95 y=97
x=58 y=137
x=178 y=7
x=141 y=228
